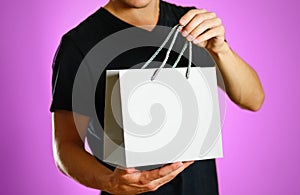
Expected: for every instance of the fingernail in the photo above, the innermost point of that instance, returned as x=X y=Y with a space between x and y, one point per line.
x=184 y=33
x=182 y=22
x=190 y=38
x=195 y=41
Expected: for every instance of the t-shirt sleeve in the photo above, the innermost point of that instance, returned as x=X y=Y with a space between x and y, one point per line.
x=66 y=63
x=184 y=10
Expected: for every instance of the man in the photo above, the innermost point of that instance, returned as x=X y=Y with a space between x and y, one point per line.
x=201 y=27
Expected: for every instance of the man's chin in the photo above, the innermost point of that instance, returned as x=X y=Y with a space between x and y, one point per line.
x=138 y=4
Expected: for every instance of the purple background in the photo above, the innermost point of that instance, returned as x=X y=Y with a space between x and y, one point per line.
x=261 y=149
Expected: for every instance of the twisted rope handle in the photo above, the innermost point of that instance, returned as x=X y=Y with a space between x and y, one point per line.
x=176 y=28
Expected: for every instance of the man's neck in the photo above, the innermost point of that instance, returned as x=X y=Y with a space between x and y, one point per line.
x=146 y=15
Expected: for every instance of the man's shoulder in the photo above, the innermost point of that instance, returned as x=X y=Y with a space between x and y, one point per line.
x=171 y=13
x=175 y=9
x=89 y=31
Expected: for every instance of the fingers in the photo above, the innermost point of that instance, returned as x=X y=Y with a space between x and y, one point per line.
x=196 y=21
x=201 y=26
x=215 y=32
x=155 y=184
x=204 y=27
x=127 y=175
x=134 y=176
x=148 y=176
x=162 y=175
x=190 y=15
x=133 y=180
x=170 y=168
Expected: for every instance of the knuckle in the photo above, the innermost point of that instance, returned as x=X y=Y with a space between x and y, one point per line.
x=191 y=12
x=219 y=21
x=212 y=14
x=194 y=11
x=145 y=182
x=197 y=40
x=194 y=35
x=199 y=16
x=206 y=24
x=222 y=28
x=145 y=179
x=162 y=173
x=188 y=28
x=123 y=179
x=127 y=171
x=146 y=175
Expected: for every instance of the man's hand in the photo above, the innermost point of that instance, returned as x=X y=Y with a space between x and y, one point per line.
x=132 y=181
x=242 y=84
x=205 y=29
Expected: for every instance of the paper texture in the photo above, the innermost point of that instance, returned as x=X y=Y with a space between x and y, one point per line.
x=166 y=120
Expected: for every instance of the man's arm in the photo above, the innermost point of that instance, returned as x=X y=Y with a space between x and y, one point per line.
x=242 y=84
x=69 y=129
x=69 y=153
x=241 y=81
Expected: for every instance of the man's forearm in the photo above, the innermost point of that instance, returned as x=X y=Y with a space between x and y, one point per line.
x=78 y=164
x=241 y=81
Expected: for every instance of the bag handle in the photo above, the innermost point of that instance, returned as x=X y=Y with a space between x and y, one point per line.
x=175 y=29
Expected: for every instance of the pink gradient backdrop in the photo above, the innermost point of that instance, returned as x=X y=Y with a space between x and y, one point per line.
x=261 y=149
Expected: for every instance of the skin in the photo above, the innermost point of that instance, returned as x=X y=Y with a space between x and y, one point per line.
x=242 y=84
x=205 y=29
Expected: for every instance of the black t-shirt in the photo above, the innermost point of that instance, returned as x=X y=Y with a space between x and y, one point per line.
x=74 y=58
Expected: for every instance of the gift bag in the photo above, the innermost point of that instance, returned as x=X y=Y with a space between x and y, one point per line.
x=161 y=115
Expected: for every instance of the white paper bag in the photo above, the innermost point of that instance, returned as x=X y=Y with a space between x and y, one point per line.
x=159 y=116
